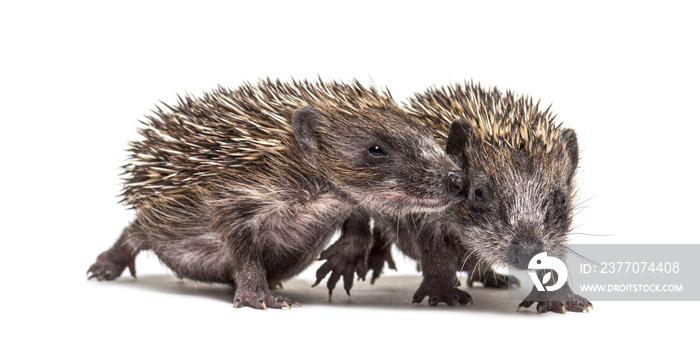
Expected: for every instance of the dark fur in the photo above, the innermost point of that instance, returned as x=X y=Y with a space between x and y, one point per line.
x=227 y=189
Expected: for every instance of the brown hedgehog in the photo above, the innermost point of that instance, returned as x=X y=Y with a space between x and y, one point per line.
x=247 y=186
x=520 y=168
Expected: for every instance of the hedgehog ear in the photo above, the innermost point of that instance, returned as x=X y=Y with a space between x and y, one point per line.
x=460 y=138
x=304 y=122
x=568 y=137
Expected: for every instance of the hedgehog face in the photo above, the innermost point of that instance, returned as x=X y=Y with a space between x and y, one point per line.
x=517 y=211
x=388 y=165
x=518 y=203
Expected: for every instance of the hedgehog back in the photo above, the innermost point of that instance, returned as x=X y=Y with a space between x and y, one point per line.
x=186 y=144
x=502 y=120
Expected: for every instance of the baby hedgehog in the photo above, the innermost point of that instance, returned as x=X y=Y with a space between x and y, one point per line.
x=247 y=186
x=519 y=166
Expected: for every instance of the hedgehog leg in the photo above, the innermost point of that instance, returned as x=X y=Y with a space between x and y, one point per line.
x=439 y=272
x=347 y=255
x=380 y=253
x=111 y=263
x=252 y=288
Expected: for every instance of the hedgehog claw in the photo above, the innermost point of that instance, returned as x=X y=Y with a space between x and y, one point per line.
x=562 y=304
x=265 y=300
x=437 y=294
x=106 y=267
x=132 y=269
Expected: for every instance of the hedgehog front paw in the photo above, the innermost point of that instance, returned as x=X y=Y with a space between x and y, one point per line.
x=441 y=294
x=579 y=304
x=106 y=269
x=562 y=302
x=343 y=259
x=262 y=299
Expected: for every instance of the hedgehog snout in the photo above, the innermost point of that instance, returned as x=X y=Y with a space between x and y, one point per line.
x=519 y=254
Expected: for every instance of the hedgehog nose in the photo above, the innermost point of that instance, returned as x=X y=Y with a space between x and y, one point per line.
x=455 y=184
x=519 y=254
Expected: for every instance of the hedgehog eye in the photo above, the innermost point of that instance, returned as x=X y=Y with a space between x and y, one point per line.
x=479 y=195
x=562 y=204
x=376 y=151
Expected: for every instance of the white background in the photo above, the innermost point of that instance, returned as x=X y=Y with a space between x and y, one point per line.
x=75 y=79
